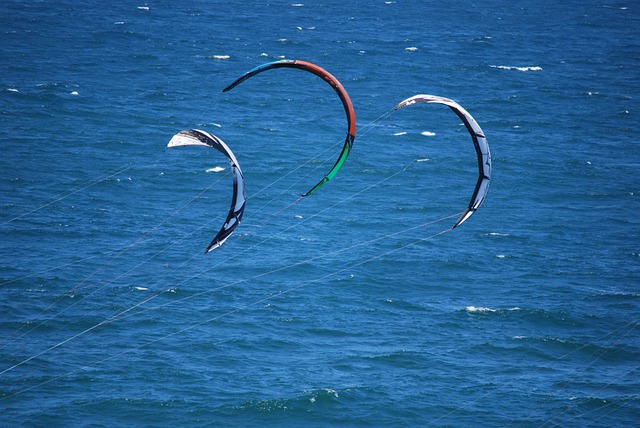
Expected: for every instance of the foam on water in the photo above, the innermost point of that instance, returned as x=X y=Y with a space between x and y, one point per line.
x=215 y=169
x=509 y=67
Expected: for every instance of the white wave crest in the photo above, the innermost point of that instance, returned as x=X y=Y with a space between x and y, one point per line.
x=510 y=67
x=220 y=56
x=215 y=169
x=480 y=309
x=428 y=134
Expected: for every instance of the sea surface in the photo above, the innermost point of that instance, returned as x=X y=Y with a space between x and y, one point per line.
x=357 y=306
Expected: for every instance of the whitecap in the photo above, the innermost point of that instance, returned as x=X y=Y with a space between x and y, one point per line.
x=74 y=93
x=322 y=393
x=118 y=23
x=143 y=7
x=497 y=234
x=297 y=4
x=428 y=134
x=411 y=49
x=423 y=160
x=141 y=288
x=215 y=169
x=511 y=67
x=399 y=133
x=12 y=90
x=480 y=309
x=500 y=256
x=298 y=216
x=220 y=56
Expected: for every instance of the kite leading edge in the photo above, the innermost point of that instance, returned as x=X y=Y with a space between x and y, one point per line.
x=335 y=84
x=195 y=137
x=479 y=142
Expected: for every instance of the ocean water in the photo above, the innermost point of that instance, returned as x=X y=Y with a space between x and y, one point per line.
x=355 y=306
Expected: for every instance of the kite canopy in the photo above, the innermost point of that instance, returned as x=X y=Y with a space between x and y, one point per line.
x=194 y=137
x=479 y=141
x=335 y=84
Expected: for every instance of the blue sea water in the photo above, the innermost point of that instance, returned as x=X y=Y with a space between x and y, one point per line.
x=353 y=306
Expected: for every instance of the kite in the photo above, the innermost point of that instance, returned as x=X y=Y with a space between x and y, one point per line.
x=479 y=141
x=195 y=137
x=327 y=77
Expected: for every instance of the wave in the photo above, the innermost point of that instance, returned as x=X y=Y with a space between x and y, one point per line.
x=215 y=169
x=473 y=309
x=480 y=309
x=510 y=67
